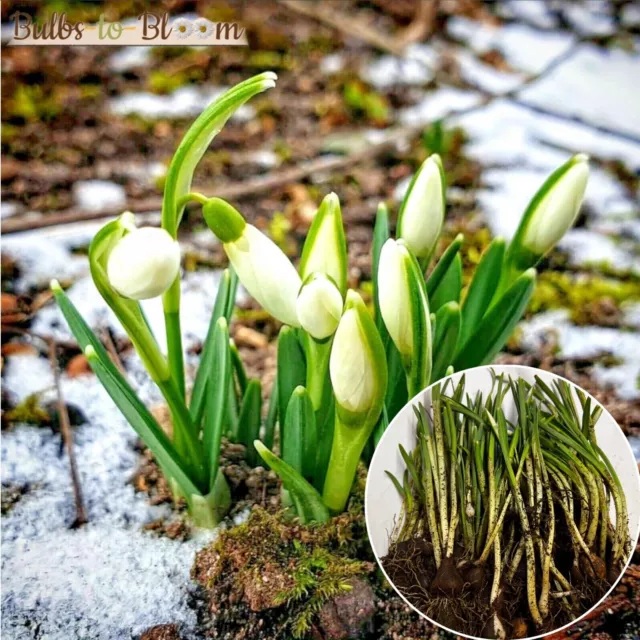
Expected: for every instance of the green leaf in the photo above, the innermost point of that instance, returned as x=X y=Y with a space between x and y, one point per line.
x=250 y=419
x=238 y=367
x=380 y=236
x=446 y=338
x=197 y=140
x=300 y=434
x=397 y=393
x=272 y=416
x=224 y=301
x=307 y=500
x=291 y=370
x=482 y=287
x=449 y=287
x=443 y=265
x=215 y=410
x=325 y=441
x=142 y=422
x=497 y=324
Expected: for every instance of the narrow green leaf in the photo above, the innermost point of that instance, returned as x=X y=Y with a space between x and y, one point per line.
x=140 y=418
x=448 y=290
x=325 y=442
x=446 y=338
x=380 y=236
x=291 y=370
x=272 y=416
x=215 y=409
x=300 y=434
x=397 y=392
x=497 y=325
x=238 y=367
x=396 y=484
x=307 y=500
x=207 y=360
x=250 y=419
x=439 y=271
x=482 y=287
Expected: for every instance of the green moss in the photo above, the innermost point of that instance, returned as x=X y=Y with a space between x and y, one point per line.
x=160 y=81
x=580 y=293
x=31 y=103
x=279 y=229
x=362 y=100
x=29 y=411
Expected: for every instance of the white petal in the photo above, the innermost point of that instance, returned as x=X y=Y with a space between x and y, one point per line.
x=423 y=213
x=144 y=263
x=349 y=366
x=266 y=273
x=394 y=297
x=319 y=307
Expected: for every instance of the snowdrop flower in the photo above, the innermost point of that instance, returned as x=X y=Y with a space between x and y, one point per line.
x=182 y=27
x=144 y=263
x=262 y=267
x=405 y=310
x=325 y=249
x=319 y=306
x=357 y=363
x=422 y=212
x=203 y=28
x=555 y=207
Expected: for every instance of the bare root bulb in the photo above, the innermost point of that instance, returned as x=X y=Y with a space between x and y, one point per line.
x=447 y=581
x=613 y=572
x=519 y=628
x=475 y=577
x=593 y=566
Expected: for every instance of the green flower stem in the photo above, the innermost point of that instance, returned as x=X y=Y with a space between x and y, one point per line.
x=348 y=443
x=317 y=356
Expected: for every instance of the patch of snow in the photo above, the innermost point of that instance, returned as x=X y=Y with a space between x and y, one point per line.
x=595 y=85
x=333 y=63
x=588 y=342
x=40 y=258
x=484 y=76
x=525 y=48
x=586 y=247
x=9 y=209
x=415 y=67
x=634 y=441
x=590 y=18
x=26 y=374
x=182 y=103
x=98 y=195
x=129 y=58
x=264 y=158
x=533 y=12
x=108 y=579
x=508 y=133
x=438 y=104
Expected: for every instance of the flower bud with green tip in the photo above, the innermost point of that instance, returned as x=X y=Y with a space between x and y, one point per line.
x=262 y=267
x=550 y=214
x=319 y=306
x=325 y=249
x=405 y=311
x=421 y=215
x=144 y=263
x=358 y=372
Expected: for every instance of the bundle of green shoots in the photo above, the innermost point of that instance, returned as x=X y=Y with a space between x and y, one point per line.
x=513 y=518
x=342 y=371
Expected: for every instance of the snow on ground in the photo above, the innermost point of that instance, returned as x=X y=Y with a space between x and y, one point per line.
x=108 y=579
x=184 y=102
x=97 y=195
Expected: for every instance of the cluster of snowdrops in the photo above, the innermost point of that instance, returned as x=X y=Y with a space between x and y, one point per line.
x=343 y=371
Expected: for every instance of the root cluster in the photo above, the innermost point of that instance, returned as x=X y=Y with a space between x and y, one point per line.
x=506 y=527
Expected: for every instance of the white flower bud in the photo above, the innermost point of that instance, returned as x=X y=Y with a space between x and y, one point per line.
x=558 y=209
x=266 y=273
x=395 y=296
x=144 y=263
x=319 y=306
x=422 y=212
x=357 y=363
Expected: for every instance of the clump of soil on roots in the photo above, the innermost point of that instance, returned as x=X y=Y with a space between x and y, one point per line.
x=457 y=594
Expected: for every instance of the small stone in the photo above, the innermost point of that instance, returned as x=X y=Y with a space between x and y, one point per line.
x=350 y=615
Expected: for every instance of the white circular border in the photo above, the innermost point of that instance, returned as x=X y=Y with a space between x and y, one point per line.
x=404 y=426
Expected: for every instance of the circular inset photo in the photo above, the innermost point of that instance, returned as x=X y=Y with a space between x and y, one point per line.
x=503 y=502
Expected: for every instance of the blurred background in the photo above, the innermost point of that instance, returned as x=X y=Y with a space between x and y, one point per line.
x=504 y=91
